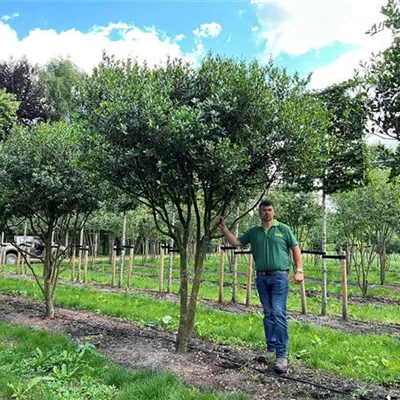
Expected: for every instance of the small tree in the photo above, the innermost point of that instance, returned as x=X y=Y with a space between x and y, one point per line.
x=60 y=80
x=42 y=180
x=197 y=141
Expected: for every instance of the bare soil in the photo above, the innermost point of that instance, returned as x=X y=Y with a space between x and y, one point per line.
x=206 y=366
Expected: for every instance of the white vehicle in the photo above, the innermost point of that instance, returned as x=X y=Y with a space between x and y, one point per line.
x=34 y=243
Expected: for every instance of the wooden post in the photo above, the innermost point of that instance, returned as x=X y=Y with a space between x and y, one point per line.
x=28 y=257
x=161 y=285
x=113 y=265
x=2 y=249
x=303 y=297
x=3 y=254
x=73 y=264
x=221 y=276
x=18 y=263
x=130 y=265
x=345 y=314
x=85 y=265
x=22 y=259
x=249 y=276
x=122 y=258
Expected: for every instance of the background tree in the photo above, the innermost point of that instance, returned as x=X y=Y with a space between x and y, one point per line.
x=368 y=217
x=382 y=82
x=20 y=78
x=60 y=80
x=300 y=211
x=8 y=111
x=341 y=162
x=197 y=141
x=42 y=180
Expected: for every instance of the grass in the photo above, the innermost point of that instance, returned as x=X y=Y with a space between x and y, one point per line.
x=371 y=358
x=37 y=365
x=379 y=313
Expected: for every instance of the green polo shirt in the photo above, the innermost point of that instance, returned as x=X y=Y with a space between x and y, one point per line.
x=270 y=248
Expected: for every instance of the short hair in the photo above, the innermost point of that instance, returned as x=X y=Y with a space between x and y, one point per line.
x=265 y=203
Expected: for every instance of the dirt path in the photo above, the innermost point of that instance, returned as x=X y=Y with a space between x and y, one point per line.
x=206 y=366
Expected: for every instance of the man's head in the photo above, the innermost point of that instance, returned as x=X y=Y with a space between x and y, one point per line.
x=266 y=210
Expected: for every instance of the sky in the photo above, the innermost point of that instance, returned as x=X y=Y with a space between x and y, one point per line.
x=323 y=37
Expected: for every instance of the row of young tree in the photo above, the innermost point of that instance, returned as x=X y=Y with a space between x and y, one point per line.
x=188 y=143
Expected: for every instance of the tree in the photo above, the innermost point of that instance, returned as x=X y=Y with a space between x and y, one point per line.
x=197 y=141
x=299 y=210
x=8 y=111
x=368 y=218
x=60 y=80
x=42 y=179
x=381 y=82
x=20 y=78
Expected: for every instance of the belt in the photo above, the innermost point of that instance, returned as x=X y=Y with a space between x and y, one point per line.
x=276 y=272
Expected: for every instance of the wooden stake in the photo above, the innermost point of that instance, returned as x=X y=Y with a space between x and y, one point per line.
x=249 y=276
x=303 y=297
x=73 y=264
x=221 y=276
x=113 y=267
x=130 y=266
x=85 y=265
x=345 y=314
x=161 y=285
x=18 y=263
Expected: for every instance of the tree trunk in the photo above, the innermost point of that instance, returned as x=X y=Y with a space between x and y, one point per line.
x=324 y=298
x=182 y=340
x=187 y=321
x=49 y=279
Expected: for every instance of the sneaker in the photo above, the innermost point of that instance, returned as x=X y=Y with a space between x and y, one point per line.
x=266 y=357
x=281 y=365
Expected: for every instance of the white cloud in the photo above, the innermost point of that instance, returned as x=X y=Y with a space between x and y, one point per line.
x=85 y=49
x=343 y=67
x=6 y=18
x=255 y=29
x=298 y=27
x=212 y=29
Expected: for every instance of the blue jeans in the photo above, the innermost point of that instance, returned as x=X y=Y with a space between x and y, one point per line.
x=273 y=292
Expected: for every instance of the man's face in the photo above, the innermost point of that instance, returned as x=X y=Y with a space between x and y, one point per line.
x=266 y=213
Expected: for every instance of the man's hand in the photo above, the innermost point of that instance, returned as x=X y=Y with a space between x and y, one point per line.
x=298 y=277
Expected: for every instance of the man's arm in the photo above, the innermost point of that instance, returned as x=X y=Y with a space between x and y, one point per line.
x=298 y=262
x=229 y=236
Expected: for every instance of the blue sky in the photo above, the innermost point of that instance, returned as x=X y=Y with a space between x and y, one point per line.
x=325 y=37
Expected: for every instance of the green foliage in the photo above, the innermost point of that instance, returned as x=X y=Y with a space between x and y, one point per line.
x=35 y=365
x=8 y=111
x=178 y=134
x=381 y=81
x=60 y=80
x=298 y=210
x=42 y=173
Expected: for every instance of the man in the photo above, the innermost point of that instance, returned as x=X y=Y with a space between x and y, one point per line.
x=271 y=243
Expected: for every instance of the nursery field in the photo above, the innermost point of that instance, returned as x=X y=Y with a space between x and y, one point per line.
x=132 y=331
